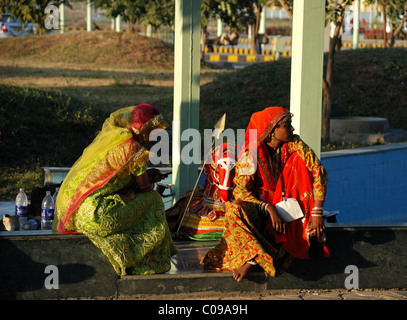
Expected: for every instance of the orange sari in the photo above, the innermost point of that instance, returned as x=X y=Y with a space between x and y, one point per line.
x=248 y=233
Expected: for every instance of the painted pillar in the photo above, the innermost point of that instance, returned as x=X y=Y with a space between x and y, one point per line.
x=307 y=70
x=356 y=24
x=118 y=24
x=262 y=25
x=149 y=32
x=62 y=18
x=186 y=90
x=219 y=29
x=88 y=15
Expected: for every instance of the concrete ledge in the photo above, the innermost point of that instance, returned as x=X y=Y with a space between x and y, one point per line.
x=378 y=251
x=83 y=270
x=192 y=283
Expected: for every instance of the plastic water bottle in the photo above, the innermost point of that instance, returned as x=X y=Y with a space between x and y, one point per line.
x=21 y=206
x=54 y=196
x=47 y=212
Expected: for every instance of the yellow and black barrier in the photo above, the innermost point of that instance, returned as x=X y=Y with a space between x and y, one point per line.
x=243 y=51
x=238 y=58
x=372 y=45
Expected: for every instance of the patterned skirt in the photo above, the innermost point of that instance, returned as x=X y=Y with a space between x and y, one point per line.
x=244 y=238
x=134 y=236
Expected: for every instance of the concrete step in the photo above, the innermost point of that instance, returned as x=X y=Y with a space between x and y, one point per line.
x=376 y=253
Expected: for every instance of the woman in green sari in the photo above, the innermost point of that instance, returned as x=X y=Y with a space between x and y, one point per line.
x=108 y=195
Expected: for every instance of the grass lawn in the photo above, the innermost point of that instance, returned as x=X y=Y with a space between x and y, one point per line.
x=56 y=91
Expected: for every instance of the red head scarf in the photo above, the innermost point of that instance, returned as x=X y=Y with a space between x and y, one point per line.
x=264 y=122
x=141 y=116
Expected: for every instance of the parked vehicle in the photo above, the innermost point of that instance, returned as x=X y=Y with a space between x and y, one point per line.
x=11 y=27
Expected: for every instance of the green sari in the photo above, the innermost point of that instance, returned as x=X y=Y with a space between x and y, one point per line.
x=131 y=230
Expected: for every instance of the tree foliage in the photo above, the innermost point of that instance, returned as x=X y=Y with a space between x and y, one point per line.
x=29 y=10
x=396 y=10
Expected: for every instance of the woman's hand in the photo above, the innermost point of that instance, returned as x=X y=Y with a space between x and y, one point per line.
x=154 y=175
x=143 y=183
x=317 y=221
x=277 y=223
x=317 y=225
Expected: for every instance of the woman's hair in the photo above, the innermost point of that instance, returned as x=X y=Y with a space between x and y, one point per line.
x=285 y=119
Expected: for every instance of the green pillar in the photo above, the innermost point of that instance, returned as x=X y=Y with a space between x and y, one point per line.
x=307 y=70
x=219 y=29
x=262 y=25
x=118 y=25
x=356 y=24
x=186 y=89
x=149 y=32
x=62 y=18
x=88 y=15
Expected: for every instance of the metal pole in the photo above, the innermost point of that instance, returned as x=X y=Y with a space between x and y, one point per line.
x=307 y=70
x=88 y=15
x=356 y=24
x=219 y=29
x=186 y=89
x=118 y=25
x=62 y=18
x=262 y=25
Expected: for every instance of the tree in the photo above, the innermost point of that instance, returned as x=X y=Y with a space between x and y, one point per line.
x=129 y=10
x=160 y=13
x=30 y=11
x=334 y=13
x=396 y=10
x=239 y=14
x=287 y=5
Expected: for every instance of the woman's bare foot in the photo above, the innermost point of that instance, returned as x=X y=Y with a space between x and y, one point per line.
x=240 y=273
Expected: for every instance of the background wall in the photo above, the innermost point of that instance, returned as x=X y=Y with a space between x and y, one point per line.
x=368 y=184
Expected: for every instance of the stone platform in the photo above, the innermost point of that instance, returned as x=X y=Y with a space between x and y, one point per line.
x=377 y=251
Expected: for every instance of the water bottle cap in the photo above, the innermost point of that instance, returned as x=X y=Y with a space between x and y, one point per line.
x=48 y=192
x=21 y=189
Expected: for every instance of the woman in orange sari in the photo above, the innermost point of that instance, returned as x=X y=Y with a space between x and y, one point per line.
x=254 y=233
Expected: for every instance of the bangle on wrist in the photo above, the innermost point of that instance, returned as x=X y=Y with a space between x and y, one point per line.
x=263 y=207
x=252 y=262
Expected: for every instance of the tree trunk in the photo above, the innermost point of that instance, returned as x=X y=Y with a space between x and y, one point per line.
x=384 y=24
x=326 y=113
x=398 y=29
x=286 y=8
x=327 y=84
x=203 y=40
x=255 y=30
